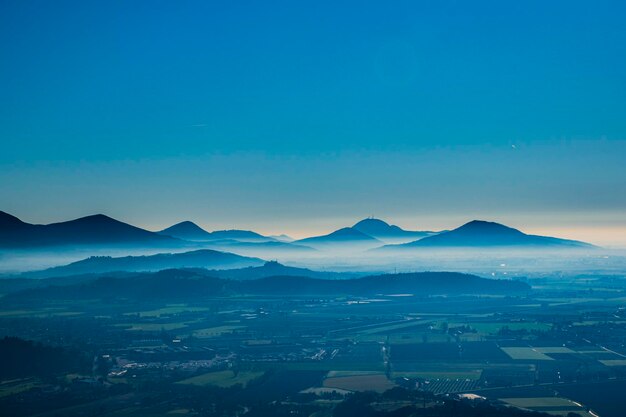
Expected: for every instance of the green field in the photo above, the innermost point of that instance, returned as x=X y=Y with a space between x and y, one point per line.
x=16 y=386
x=552 y=405
x=215 y=331
x=169 y=310
x=369 y=382
x=473 y=375
x=492 y=328
x=153 y=327
x=526 y=353
x=223 y=379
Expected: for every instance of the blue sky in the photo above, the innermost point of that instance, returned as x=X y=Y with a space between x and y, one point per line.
x=297 y=116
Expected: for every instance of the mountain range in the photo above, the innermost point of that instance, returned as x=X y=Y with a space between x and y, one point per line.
x=91 y=230
x=478 y=233
x=194 y=285
x=366 y=234
x=202 y=258
x=389 y=233
x=190 y=231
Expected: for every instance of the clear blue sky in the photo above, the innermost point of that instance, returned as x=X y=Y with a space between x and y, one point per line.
x=293 y=115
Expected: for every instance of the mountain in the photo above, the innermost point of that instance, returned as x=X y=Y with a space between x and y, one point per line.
x=283 y=238
x=389 y=233
x=91 y=230
x=478 y=233
x=240 y=235
x=190 y=231
x=273 y=268
x=187 y=231
x=203 y=258
x=342 y=236
x=176 y=284
x=234 y=245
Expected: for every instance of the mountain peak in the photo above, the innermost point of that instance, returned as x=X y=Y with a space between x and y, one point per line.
x=371 y=221
x=186 y=230
x=10 y=222
x=483 y=226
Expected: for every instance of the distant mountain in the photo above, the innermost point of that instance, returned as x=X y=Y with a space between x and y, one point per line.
x=176 y=284
x=478 y=233
x=91 y=230
x=49 y=277
x=203 y=258
x=274 y=268
x=190 y=231
x=234 y=245
x=389 y=233
x=240 y=235
x=341 y=236
x=186 y=230
x=283 y=238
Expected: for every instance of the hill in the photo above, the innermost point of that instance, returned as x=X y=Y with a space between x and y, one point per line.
x=389 y=233
x=346 y=235
x=177 y=284
x=478 y=233
x=274 y=268
x=203 y=258
x=190 y=231
x=91 y=230
x=186 y=230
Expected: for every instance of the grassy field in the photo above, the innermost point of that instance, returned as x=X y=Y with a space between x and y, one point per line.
x=215 y=331
x=223 y=379
x=526 y=353
x=473 y=374
x=16 y=386
x=614 y=362
x=371 y=382
x=492 y=328
x=169 y=310
x=552 y=405
x=154 y=327
x=369 y=367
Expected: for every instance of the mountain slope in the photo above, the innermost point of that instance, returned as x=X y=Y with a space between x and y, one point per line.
x=341 y=236
x=203 y=258
x=274 y=268
x=478 y=233
x=389 y=233
x=186 y=230
x=91 y=230
x=190 y=231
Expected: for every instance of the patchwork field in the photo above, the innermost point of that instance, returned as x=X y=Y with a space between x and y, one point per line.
x=223 y=379
x=377 y=382
x=552 y=405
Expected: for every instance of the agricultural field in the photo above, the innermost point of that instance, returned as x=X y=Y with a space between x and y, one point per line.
x=376 y=382
x=552 y=405
x=222 y=379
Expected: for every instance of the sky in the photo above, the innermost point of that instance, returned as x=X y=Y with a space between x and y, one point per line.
x=301 y=117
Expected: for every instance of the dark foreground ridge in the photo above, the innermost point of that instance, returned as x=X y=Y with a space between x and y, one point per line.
x=176 y=284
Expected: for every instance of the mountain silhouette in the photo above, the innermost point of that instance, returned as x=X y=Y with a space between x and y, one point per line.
x=478 y=233
x=231 y=244
x=273 y=268
x=188 y=230
x=197 y=285
x=91 y=230
x=386 y=232
x=203 y=258
x=341 y=236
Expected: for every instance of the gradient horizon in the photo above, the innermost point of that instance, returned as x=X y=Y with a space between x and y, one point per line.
x=302 y=118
